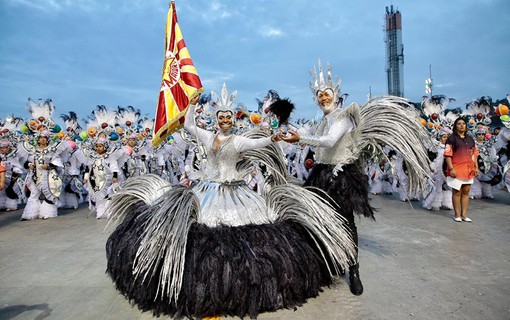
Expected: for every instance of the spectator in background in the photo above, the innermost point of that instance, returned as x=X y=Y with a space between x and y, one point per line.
x=461 y=167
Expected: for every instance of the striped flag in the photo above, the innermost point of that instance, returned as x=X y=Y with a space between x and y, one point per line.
x=179 y=84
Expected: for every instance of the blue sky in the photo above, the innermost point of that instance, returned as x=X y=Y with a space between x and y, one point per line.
x=82 y=53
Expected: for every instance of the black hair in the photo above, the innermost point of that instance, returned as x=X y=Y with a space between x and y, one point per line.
x=455 y=123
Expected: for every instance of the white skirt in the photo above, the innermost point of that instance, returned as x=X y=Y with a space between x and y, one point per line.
x=456 y=184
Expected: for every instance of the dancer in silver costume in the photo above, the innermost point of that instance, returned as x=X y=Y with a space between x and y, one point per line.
x=218 y=247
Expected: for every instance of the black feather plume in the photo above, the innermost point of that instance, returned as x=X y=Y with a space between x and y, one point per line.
x=282 y=108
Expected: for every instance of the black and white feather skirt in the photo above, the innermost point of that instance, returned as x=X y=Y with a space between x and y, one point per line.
x=162 y=260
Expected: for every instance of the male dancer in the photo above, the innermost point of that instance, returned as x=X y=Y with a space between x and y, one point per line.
x=335 y=171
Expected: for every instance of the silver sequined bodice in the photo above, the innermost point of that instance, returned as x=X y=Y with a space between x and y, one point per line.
x=225 y=199
x=344 y=150
x=221 y=164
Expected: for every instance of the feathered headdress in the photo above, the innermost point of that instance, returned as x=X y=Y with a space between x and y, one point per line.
x=10 y=129
x=273 y=104
x=450 y=115
x=42 y=113
x=282 y=108
x=479 y=112
x=11 y=125
x=433 y=111
x=264 y=104
x=146 y=125
x=101 y=123
x=128 y=118
x=73 y=128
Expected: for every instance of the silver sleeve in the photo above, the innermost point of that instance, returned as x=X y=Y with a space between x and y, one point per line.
x=310 y=140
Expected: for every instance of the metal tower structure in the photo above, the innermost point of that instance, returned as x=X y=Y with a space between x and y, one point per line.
x=394 y=53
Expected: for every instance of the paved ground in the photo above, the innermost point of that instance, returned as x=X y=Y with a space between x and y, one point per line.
x=415 y=264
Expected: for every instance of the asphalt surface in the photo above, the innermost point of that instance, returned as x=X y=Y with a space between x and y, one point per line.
x=414 y=264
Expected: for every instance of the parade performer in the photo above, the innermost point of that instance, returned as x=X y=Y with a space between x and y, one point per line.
x=101 y=154
x=401 y=179
x=127 y=119
x=479 y=118
x=71 y=195
x=217 y=247
x=381 y=177
x=438 y=121
x=13 y=193
x=346 y=137
x=488 y=166
x=503 y=142
x=44 y=161
x=440 y=196
x=153 y=156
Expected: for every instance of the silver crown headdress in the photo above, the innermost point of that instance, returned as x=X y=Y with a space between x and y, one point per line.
x=321 y=83
x=225 y=102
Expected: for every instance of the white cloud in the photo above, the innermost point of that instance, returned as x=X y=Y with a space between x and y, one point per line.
x=46 y=5
x=271 y=32
x=81 y=5
x=444 y=85
x=215 y=79
x=217 y=12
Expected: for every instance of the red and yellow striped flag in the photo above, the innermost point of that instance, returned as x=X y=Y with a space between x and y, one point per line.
x=180 y=82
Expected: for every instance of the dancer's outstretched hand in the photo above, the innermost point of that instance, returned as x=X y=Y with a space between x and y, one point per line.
x=291 y=137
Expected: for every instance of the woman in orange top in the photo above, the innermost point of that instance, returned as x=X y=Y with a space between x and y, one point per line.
x=461 y=167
